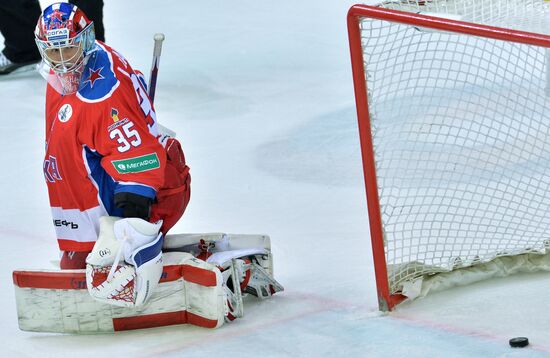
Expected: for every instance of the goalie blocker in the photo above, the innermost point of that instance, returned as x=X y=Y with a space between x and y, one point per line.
x=203 y=281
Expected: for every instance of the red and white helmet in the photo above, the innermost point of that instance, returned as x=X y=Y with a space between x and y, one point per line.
x=64 y=29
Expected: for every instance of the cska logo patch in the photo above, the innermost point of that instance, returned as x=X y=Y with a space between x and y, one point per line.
x=94 y=75
x=51 y=169
x=65 y=113
x=57 y=16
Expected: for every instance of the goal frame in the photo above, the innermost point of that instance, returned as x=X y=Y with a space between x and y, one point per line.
x=387 y=301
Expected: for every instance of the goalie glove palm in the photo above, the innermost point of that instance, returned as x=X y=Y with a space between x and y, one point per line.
x=125 y=265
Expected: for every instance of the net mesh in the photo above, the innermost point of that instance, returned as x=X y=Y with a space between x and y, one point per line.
x=460 y=133
x=124 y=293
x=525 y=15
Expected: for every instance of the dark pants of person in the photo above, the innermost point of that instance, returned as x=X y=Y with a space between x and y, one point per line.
x=94 y=11
x=18 y=19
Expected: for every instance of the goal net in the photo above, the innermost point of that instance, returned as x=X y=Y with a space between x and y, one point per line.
x=453 y=104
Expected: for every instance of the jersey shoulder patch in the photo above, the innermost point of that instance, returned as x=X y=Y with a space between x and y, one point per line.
x=98 y=79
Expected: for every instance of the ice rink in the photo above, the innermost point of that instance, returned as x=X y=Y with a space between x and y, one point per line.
x=261 y=97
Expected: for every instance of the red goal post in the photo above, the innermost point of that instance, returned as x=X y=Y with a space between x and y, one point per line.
x=388 y=299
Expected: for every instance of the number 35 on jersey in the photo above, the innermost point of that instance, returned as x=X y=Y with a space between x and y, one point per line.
x=123 y=132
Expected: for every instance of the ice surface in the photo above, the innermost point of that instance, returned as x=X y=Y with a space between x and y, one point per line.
x=261 y=97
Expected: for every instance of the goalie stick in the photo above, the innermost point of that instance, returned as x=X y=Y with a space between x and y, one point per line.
x=152 y=87
x=157 y=49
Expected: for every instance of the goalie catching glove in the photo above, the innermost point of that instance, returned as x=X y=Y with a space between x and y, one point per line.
x=125 y=265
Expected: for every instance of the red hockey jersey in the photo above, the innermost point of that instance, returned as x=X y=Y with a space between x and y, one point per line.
x=100 y=141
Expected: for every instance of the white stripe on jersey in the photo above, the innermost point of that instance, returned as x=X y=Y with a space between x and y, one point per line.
x=76 y=225
x=134 y=183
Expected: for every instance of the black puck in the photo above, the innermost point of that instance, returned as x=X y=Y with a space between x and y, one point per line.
x=519 y=342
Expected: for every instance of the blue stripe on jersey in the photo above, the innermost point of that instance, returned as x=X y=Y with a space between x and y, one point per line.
x=98 y=79
x=138 y=189
x=105 y=183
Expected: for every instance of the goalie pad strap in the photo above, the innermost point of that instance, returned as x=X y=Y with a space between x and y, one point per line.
x=76 y=280
x=197 y=275
x=161 y=320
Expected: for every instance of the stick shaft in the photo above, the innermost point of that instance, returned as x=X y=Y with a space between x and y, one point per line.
x=155 y=66
x=153 y=78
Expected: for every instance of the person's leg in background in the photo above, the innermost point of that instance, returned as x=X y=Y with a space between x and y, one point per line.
x=94 y=11
x=17 y=22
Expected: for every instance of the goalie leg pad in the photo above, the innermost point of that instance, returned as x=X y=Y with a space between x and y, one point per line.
x=191 y=291
x=73 y=260
x=253 y=254
x=262 y=284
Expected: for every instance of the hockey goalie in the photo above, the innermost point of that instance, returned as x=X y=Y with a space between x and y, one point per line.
x=117 y=185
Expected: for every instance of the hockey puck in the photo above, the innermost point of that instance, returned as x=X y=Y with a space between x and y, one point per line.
x=519 y=342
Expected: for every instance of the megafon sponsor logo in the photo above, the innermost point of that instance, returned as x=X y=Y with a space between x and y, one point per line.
x=137 y=164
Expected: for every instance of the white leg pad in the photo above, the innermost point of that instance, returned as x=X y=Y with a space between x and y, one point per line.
x=190 y=291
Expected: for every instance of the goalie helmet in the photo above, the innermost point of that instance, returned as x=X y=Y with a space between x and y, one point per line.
x=65 y=38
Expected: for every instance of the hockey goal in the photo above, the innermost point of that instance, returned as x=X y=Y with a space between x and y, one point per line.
x=453 y=106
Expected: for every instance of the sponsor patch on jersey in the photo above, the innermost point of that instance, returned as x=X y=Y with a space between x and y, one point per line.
x=118 y=124
x=137 y=164
x=114 y=114
x=116 y=119
x=65 y=113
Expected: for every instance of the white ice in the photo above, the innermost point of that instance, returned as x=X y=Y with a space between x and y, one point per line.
x=261 y=97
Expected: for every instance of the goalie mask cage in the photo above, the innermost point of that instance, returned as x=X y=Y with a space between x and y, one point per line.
x=452 y=103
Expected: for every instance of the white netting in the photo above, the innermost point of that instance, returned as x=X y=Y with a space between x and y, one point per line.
x=123 y=293
x=525 y=15
x=461 y=137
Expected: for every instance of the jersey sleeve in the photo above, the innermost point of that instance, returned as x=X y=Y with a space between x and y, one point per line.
x=131 y=153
